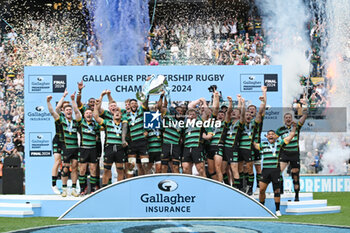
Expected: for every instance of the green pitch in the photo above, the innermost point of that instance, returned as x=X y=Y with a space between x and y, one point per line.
x=342 y=218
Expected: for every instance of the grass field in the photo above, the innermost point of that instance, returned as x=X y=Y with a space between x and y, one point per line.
x=341 y=219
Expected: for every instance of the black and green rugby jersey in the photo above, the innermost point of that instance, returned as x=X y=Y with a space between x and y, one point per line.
x=172 y=132
x=233 y=133
x=106 y=115
x=247 y=135
x=113 y=132
x=193 y=134
x=258 y=130
x=135 y=122
x=58 y=128
x=271 y=152
x=218 y=134
x=154 y=140
x=69 y=131
x=88 y=133
x=284 y=131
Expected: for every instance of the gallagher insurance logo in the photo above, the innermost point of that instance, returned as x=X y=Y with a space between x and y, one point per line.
x=165 y=201
x=167 y=185
x=38 y=114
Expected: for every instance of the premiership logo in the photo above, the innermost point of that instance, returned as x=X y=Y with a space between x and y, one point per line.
x=167 y=185
x=152 y=120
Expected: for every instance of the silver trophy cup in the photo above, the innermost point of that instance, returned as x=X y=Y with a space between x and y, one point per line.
x=154 y=86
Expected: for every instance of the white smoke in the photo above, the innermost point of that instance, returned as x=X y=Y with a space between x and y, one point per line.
x=333 y=19
x=338 y=50
x=335 y=158
x=285 y=27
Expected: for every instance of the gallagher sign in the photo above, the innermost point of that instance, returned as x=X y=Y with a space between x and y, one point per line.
x=170 y=196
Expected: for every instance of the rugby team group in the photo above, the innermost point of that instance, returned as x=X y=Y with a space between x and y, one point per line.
x=225 y=151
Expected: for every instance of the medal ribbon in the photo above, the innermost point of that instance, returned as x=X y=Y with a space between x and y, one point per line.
x=133 y=117
x=91 y=128
x=70 y=125
x=232 y=127
x=273 y=149
x=248 y=130
x=117 y=129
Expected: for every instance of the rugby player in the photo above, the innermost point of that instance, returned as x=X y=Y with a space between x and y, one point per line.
x=133 y=121
x=257 y=139
x=271 y=151
x=193 y=144
x=216 y=156
x=172 y=137
x=154 y=139
x=290 y=153
x=56 y=144
x=89 y=132
x=234 y=121
x=70 y=148
x=90 y=105
x=114 y=151
x=245 y=153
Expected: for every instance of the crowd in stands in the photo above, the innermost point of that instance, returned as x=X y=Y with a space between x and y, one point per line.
x=11 y=99
x=37 y=44
x=220 y=41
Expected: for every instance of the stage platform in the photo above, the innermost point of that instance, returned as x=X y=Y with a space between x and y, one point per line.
x=35 y=205
x=55 y=205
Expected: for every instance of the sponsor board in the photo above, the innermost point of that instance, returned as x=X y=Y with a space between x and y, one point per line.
x=162 y=196
x=321 y=184
x=40 y=144
x=47 y=83
x=185 y=83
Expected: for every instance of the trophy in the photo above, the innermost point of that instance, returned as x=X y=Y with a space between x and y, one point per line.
x=154 y=86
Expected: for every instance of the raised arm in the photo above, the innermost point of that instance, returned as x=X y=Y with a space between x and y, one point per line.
x=164 y=106
x=239 y=97
x=291 y=134
x=206 y=112
x=304 y=111
x=75 y=108
x=100 y=109
x=194 y=103
x=96 y=113
x=160 y=101
x=229 y=110
x=242 y=117
x=60 y=102
x=109 y=96
x=216 y=103
x=145 y=103
x=262 y=107
x=80 y=88
x=49 y=106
